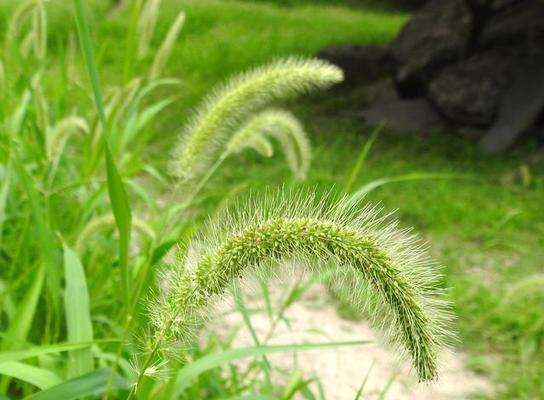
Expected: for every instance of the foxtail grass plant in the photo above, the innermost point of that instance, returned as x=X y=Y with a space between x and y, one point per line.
x=389 y=265
x=163 y=54
x=285 y=128
x=146 y=25
x=228 y=107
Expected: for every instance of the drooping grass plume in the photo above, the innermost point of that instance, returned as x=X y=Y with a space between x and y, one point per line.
x=40 y=105
x=61 y=132
x=228 y=107
x=163 y=54
x=529 y=288
x=261 y=145
x=104 y=222
x=20 y=16
x=286 y=129
x=39 y=28
x=146 y=25
x=388 y=262
x=35 y=12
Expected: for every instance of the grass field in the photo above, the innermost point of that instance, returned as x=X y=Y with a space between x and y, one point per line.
x=486 y=225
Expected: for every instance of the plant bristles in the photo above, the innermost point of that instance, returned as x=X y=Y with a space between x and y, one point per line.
x=39 y=27
x=228 y=107
x=391 y=263
x=163 y=54
x=261 y=145
x=19 y=18
x=285 y=128
x=146 y=25
x=104 y=222
x=61 y=132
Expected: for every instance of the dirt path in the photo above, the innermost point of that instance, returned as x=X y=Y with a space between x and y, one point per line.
x=342 y=371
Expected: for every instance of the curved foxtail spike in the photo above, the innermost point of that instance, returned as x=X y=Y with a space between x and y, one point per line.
x=285 y=128
x=401 y=280
x=229 y=106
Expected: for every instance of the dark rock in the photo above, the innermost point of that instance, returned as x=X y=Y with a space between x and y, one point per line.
x=434 y=36
x=469 y=92
x=361 y=64
x=404 y=116
x=520 y=108
x=519 y=23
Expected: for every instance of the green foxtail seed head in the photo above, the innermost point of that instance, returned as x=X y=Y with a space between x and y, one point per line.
x=146 y=25
x=226 y=108
x=389 y=266
x=260 y=144
x=40 y=104
x=21 y=14
x=39 y=27
x=61 y=132
x=107 y=221
x=286 y=129
x=163 y=54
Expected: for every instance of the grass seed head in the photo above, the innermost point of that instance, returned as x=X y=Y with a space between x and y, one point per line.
x=360 y=242
x=163 y=54
x=229 y=106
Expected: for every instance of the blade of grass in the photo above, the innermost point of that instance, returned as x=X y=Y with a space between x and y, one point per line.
x=20 y=325
x=39 y=377
x=117 y=193
x=78 y=314
x=130 y=55
x=247 y=321
x=4 y=190
x=197 y=367
x=415 y=176
x=45 y=237
x=93 y=384
x=361 y=159
x=43 y=350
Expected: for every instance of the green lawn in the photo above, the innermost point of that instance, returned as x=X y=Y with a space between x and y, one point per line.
x=486 y=226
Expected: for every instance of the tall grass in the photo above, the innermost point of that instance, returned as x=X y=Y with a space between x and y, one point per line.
x=69 y=331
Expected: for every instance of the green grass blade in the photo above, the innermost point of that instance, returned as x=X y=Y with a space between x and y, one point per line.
x=415 y=176
x=196 y=368
x=43 y=350
x=116 y=189
x=4 y=191
x=247 y=321
x=20 y=325
x=45 y=237
x=130 y=55
x=355 y=171
x=93 y=384
x=39 y=377
x=78 y=314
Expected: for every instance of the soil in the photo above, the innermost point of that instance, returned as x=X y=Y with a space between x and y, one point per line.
x=342 y=371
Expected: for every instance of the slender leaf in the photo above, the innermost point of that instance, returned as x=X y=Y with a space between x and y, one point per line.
x=39 y=377
x=20 y=325
x=196 y=368
x=45 y=237
x=355 y=171
x=43 y=350
x=78 y=314
x=117 y=193
x=4 y=190
x=415 y=176
x=93 y=384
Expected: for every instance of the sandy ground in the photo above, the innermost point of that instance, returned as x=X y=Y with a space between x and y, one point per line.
x=343 y=370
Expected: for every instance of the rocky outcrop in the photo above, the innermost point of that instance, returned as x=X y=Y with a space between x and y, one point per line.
x=479 y=63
